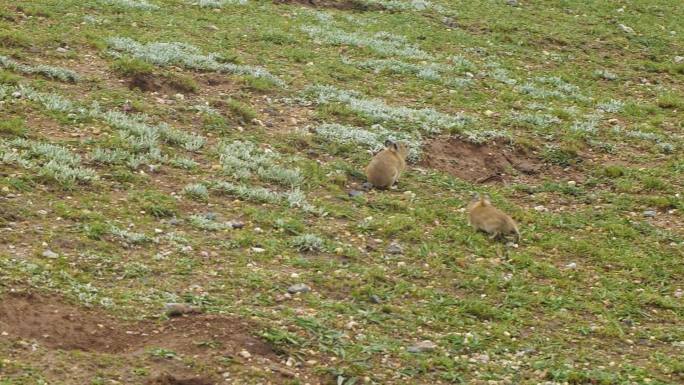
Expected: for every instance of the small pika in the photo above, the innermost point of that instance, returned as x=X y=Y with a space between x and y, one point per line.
x=384 y=169
x=483 y=216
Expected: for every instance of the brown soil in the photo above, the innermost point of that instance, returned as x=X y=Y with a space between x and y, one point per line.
x=167 y=379
x=491 y=162
x=337 y=4
x=57 y=325
x=49 y=323
x=152 y=83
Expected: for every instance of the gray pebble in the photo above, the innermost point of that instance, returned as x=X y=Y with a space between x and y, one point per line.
x=394 y=248
x=178 y=309
x=650 y=213
x=298 y=288
x=355 y=193
x=50 y=254
x=422 y=346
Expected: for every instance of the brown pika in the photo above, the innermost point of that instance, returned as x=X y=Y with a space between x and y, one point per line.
x=483 y=216
x=384 y=169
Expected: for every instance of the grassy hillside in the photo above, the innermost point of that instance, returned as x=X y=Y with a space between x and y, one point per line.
x=211 y=153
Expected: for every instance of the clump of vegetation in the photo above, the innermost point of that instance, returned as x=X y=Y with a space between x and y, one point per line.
x=13 y=127
x=143 y=5
x=242 y=110
x=51 y=72
x=196 y=191
x=382 y=42
x=184 y=55
x=130 y=66
x=308 y=242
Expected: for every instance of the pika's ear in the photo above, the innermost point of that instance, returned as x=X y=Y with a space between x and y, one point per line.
x=388 y=143
x=395 y=146
x=475 y=196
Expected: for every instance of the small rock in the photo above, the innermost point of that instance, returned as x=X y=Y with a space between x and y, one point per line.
x=245 y=354
x=679 y=293
x=571 y=265
x=678 y=59
x=62 y=50
x=16 y=94
x=572 y=183
x=213 y=27
x=179 y=97
x=394 y=248
x=649 y=213
x=489 y=113
x=613 y=121
x=258 y=249
x=422 y=346
x=512 y=3
x=449 y=22
x=626 y=29
x=50 y=254
x=355 y=193
x=527 y=168
x=298 y=288
x=367 y=186
x=374 y=299
x=178 y=309
x=237 y=224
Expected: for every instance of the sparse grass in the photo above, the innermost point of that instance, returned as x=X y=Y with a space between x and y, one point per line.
x=151 y=198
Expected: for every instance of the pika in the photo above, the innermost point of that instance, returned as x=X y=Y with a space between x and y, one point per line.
x=384 y=169
x=483 y=216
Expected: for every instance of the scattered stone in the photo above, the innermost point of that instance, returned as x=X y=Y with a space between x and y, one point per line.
x=62 y=50
x=422 y=346
x=679 y=293
x=626 y=29
x=367 y=186
x=678 y=59
x=179 y=97
x=489 y=113
x=355 y=193
x=173 y=309
x=512 y=3
x=649 y=213
x=16 y=94
x=613 y=121
x=394 y=248
x=572 y=183
x=258 y=249
x=213 y=27
x=449 y=22
x=527 y=168
x=374 y=299
x=237 y=225
x=298 y=288
x=50 y=254
x=571 y=265
x=245 y=354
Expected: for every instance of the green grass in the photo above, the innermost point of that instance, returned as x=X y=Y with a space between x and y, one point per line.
x=588 y=297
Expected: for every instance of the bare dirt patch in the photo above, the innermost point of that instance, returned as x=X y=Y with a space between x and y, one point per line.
x=47 y=322
x=485 y=163
x=57 y=325
x=167 y=379
x=337 y=4
x=163 y=85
